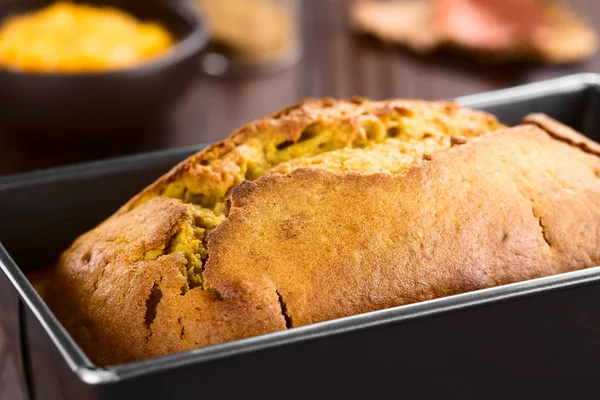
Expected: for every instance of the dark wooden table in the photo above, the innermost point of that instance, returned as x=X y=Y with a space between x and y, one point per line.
x=9 y=389
x=334 y=63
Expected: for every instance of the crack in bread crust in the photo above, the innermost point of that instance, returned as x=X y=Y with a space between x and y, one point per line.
x=540 y=221
x=152 y=303
x=289 y=323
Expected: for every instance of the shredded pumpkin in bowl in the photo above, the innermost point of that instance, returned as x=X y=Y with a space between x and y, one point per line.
x=73 y=38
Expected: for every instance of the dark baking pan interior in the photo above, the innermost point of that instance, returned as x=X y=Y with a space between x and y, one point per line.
x=546 y=327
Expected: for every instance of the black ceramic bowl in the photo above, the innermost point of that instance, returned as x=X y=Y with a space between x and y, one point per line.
x=87 y=105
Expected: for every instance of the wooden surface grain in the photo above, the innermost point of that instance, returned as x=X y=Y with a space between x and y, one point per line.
x=9 y=389
x=334 y=63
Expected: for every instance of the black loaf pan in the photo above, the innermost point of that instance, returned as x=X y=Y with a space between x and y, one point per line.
x=540 y=336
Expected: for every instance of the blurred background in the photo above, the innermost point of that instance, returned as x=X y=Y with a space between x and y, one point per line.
x=317 y=54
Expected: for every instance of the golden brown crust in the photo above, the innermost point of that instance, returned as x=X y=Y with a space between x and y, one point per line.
x=433 y=232
x=121 y=286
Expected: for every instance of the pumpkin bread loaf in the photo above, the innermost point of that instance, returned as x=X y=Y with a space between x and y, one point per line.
x=328 y=209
